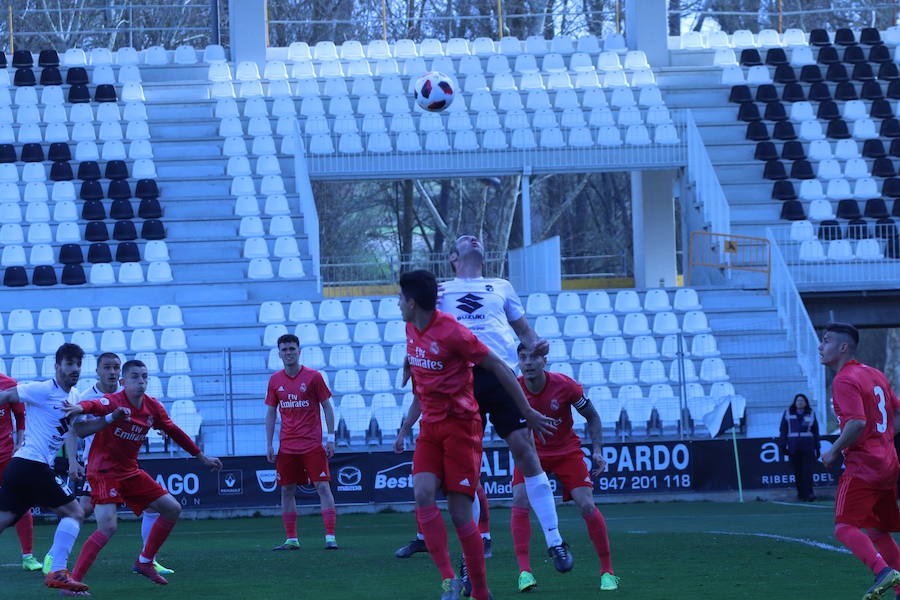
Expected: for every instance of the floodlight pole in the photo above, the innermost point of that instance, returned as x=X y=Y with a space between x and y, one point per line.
x=526 y=206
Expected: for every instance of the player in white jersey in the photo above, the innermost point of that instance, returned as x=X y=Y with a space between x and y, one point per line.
x=492 y=310
x=109 y=368
x=29 y=479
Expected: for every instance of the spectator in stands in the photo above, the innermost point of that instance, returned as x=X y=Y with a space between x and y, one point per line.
x=800 y=441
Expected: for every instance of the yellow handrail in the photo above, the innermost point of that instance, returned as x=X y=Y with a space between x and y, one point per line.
x=727 y=251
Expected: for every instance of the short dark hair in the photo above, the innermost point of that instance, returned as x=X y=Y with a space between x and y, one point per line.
x=521 y=347
x=844 y=328
x=69 y=351
x=421 y=286
x=287 y=338
x=132 y=364
x=108 y=355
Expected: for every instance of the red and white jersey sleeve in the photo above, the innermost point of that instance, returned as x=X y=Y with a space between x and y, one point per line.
x=557 y=399
x=12 y=418
x=299 y=399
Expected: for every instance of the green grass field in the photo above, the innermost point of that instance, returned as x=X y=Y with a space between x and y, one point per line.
x=662 y=551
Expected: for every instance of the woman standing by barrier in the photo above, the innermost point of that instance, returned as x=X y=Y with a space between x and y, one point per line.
x=800 y=441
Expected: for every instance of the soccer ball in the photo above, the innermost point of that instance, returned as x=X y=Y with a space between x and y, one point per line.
x=434 y=91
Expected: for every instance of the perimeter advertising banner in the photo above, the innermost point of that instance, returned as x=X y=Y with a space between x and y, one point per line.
x=639 y=469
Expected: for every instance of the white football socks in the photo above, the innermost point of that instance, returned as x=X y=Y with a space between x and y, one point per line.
x=540 y=496
x=63 y=540
x=147 y=521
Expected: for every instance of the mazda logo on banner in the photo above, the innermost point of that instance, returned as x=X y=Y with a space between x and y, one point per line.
x=349 y=478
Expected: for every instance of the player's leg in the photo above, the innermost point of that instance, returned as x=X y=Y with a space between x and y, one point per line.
x=484 y=520
x=289 y=469
x=25 y=532
x=428 y=515
x=596 y=526
x=70 y=518
x=169 y=510
x=460 y=507
x=147 y=521
x=106 y=528
x=329 y=513
x=520 y=524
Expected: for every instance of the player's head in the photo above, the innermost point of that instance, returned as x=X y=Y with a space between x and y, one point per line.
x=68 y=364
x=531 y=362
x=134 y=378
x=109 y=370
x=838 y=343
x=466 y=248
x=418 y=291
x=289 y=349
x=800 y=404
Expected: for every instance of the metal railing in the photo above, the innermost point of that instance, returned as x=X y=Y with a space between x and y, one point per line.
x=730 y=253
x=702 y=175
x=386 y=269
x=801 y=334
x=801 y=14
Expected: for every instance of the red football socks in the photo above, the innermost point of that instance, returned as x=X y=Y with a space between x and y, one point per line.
x=290 y=524
x=329 y=516
x=473 y=554
x=484 y=519
x=25 y=531
x=596 y=526
x=92 y=547
x=521 y=534
x=860 y=545
x=886 y=546
x=431 y=524
x=158 y=534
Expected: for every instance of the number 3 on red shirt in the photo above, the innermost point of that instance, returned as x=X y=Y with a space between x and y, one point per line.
x=881 y=426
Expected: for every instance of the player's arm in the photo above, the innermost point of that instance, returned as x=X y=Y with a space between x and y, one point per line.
x=595 y=428
x=541 y=424
x=9 y=396
x=848 y=402
x=18 y=411
x=86 y=427
x=270 y=432
x=76 y=471
x=527 y=335
x=165 y=424
x=329 y=425
x=412 y=415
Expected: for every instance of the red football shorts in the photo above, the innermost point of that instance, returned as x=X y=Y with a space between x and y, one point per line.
x=570 y=469
x=135 y=491
x=861 y=504
x=451 y=449
x=301 y=469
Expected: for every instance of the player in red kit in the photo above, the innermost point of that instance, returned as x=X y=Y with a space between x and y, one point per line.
x=296 y=393
x=16 y=411
x=440 y=353
x=865 y=509
x=113 y=471
x=554 y=395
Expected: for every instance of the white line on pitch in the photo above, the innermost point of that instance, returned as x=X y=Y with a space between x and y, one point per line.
x=784 y=538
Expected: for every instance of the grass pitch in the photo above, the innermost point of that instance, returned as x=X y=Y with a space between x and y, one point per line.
x=661 y=551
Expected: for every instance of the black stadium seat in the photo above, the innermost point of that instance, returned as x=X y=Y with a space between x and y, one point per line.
x=893 y=91
x=765 y=151
x=784 y=190
x=891 y=189
x=740 y=94
x=793 y=151
x=876 y=208
x=858 y=229
x=99 y=252
x=845 y=90
x=105 y=93
x=116 y=169
x=879 y=54
x=128 y=252
x=51 y=76
x=93 y=210
x=61 y=171
x=784 y=74
x=830 y=230
x=888 y=71
x=3 y=63
x=748 y=112
x=828 y=56
x=89 y=170
x=873 y=149
x=844 y=37
x=119 y=189
x=120 y=210
x=838 y=130
x=854 y=55
x=59 y=151
x=837 y=73
x=869 y=36
x=125 y=231
x=95 y=231
x=784 y=130
x=792 y=210
x=150 y=209
x=70 y=254
x=885 y=228
x=818 y=92
x=15 y=277
x=79 y=94
x=44 y=275
x=802 y=169
x=77 y=76
x=73 y=275
x=793 y=92
x=881 y=109
x=750 y=57
x=776 y=57
x=32 y=152
x=871 y=90
x=895 y=147
x=153 y=230
x=883 y=167
x=24 y=78
x=890 y=128
x=848 y=209
x=774 y=170
x=819 y=37
x=775 y=111
x=146 y=188
x=862 y=72
x=22 y=59
x=828 y=110
x=7 y=153
x=90 y=190
x=766 y=93
x=811 y=74
x=756 y=131
x=48 y=58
